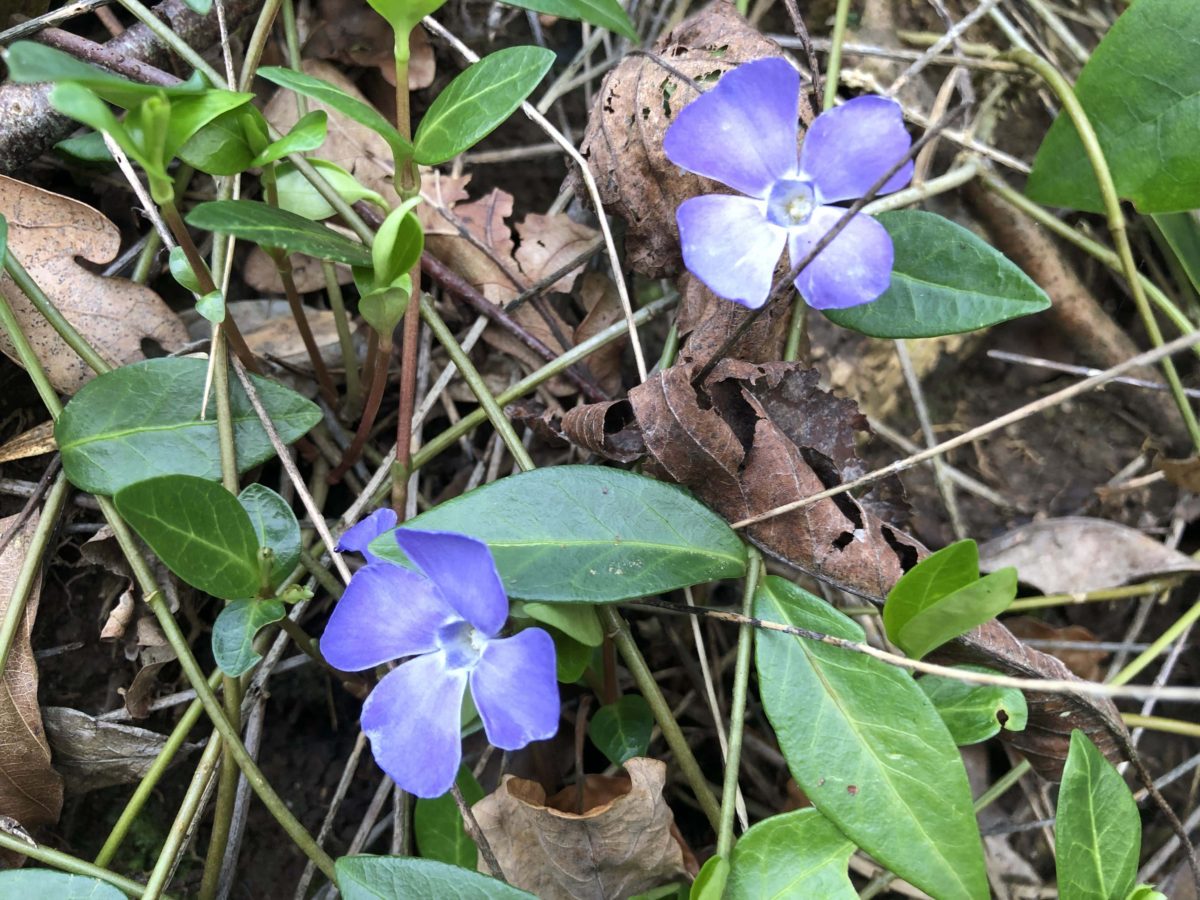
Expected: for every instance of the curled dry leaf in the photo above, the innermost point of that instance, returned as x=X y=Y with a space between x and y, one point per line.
x=119 y=617
x=620 y=847
x=30 y=790
x=1076 y=554
x=46 y=233
x=603 y=304
x=92 y=754
x=37 y=441
x=608 y=429
x=706 y=321
x=636 y=103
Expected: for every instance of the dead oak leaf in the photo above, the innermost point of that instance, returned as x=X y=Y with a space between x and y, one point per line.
x=46 y=234
x=620 y=847
x=550 y=242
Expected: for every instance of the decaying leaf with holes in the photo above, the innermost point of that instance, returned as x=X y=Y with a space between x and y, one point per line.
x=633 y=108
x=46 y=232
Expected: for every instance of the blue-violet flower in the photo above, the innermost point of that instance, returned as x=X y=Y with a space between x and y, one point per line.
x=743 y=133
x=447 y=617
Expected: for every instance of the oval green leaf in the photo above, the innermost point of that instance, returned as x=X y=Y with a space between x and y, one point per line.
x=297 y=195
x=144 y=420
x=275 y=526
x=198 y=529
x=389 y=877
x=588 y=534
x=45 y=884
x=710 y=880
x=796 y=854
x=1097 y=826
x=438 y=825
x=307 y=134
x=605 y=13
x=233 y=633
x=220 y=147
x=1141 y=92
x=945 y=280
x=474 y=104
x=896 y=785
x=578 y=621
x=622 y=730
x=975 y=712
x=269 y=226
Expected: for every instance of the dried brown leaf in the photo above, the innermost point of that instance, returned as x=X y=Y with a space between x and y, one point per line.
x=619 y=848
x=608 y=429
x=1087 y=664
x=119 y=618
x=47 y=232
x=352 y=33
x=706 y=321
x=37 y=441
x=550 y=242
x=261 y=273
x=603 y=305
x=1075 y=554
x=30 y=790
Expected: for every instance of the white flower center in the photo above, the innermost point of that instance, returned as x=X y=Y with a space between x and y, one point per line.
x=791 y=202
x=462 y=643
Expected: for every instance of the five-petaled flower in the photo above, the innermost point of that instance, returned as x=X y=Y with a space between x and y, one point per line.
x=447 y=617
x=743 y=133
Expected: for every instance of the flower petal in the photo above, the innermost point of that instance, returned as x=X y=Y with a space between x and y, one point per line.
x=516 y=691
x=743 y=131
x=848 y=148
x=413 y=721
x=729 y=245
x=358 y=536
x=386 y=612
x=856 y=268
x=463 y=569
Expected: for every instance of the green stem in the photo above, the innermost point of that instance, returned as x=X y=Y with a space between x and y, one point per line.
x=31 y=564
x=25 y=355
x=50 y=313
x=737 y=708
x=1158 y=723
x=345 y=338
x=153 y=775
x=791 y=351
x=1002 y=785
x=231 y=693
x=182 y=48
x=1116 y=220
x=475 y=381
x=188 y=810
x=618 y=630
x=834 y=66
x=257 y=43
x=64 y=862
x=1147 y=656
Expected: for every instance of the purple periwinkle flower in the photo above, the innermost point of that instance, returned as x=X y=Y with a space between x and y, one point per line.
x=743 y=133
x=447 y=617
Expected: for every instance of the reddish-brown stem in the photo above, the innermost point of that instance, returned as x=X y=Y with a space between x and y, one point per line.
x=283 y=265
x=382 y=353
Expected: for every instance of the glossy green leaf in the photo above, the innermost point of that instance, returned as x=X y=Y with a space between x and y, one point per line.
x=297 y=195
x=571 y=658
x=384 y=307
x=796 y=854
x=335 y=98
x=622 y=730
x=943 y=597
x=307 y=134
x=710 y=880
x=579 y=621
x=391 y=877
x=404 y=15
x=474 y=104
x=398 y=244
x=221 y=146
x=438 y=825
x=1146 y=892
x=82 y=105
x=211 y=306
x=29 y=62
x=895 y=783
x=198 y=529
x=269 y=226
x=1181 y=231
x=46 y=884
x=234 y=630
x=275 y=526
x=945 y=280
x=605 y=13
x=189 y=114
x=1097 y=827
x=588 y=534
x=143 y=420
x=87 y=148
x=181 y=270
x=975 y=712
x=1141 y=92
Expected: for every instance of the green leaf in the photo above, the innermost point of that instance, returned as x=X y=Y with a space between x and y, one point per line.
x=87 y=148
x=1146 y=892
x=1097 y=826
x=390 y=877
x=796 y=854
x=1141 y=92
x=404 y=15
x=622 y=730
x=605 y=13
x=234 y=630
x=335 y=98
x=942 y=597
x=398 y=244
x=975 y=712
x=1182 y=233
x=271 y=227
x=438 y=825
x=144 y=420
x=199 y=7
x=945 y=280
x=580 y=622
x=82 y=105
x=307 y=134
x=474 y=104
x=221 y=147
x=588 y=534
x=297 y=195
x=868 y=748
x=571 y=658
x=29 y=62
x=212 y=307
x=710 y=880
x=275 y=526
x=384 y=307
x=45 y=884
x=189 y=114
x=198 y=529
x=181 y=270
